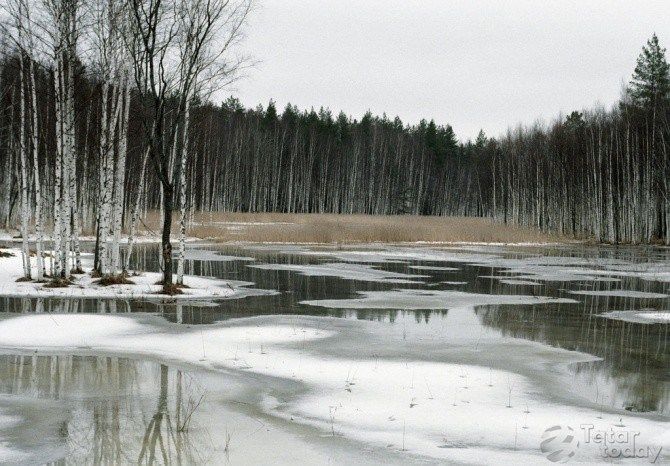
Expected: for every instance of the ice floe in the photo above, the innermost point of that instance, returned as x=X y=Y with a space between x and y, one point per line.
x=428 y=299
x=345 y=271
x=639 y=316
x=621 y=294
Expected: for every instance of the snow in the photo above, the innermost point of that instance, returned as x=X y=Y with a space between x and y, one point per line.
x=639 y=316
x=84 y=286
x=534 y=267
x=443 y=411
x=656 y=316
x=389 y=254
x=345 y=271
x=8 y=237
x=428 y=299
x=519 y=282
x=7 y=453
x=215 y=256
x=621 y=294
x=431 y=267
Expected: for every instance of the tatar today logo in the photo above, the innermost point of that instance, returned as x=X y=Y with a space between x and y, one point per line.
x=560 y=443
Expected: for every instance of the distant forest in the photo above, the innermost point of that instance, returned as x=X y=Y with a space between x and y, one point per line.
x=601 y=174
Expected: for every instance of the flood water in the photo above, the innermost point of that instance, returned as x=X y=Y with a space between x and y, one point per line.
x=115 y=409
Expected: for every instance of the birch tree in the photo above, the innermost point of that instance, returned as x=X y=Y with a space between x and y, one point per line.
x=160 y=29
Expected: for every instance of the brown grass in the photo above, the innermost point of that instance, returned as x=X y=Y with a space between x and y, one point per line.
x=58 y=283
x=333 y=228
x=6 y=254
x=109 y=280
x=171 y=290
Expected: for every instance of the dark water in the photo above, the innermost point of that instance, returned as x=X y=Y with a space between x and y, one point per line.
x=120 y=411
x=633 y=373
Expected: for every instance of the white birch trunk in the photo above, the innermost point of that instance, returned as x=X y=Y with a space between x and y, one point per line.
x=72 y=188
x=135 y=212
x=67 y=175
x=119 y=177
x=25 y=210
x=104 y=181
x=39 y=229
x=182 y=195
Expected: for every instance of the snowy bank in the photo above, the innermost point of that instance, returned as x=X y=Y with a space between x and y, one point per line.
x=84 y=286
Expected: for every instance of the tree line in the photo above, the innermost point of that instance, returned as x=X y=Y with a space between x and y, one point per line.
x=93 y=137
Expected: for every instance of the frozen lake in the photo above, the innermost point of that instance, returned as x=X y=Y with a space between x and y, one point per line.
x=349 y=355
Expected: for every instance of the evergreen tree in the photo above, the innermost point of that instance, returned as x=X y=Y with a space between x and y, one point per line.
x=342 y=125
x=481 y=139
x=270 y=118
x=650 y=85
x=575 y=120
x=233 y=105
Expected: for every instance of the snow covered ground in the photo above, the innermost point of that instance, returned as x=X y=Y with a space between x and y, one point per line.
x=427 y=408
x=84 y=286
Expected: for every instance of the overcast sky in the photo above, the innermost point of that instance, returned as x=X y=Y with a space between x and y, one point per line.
x=472 y=64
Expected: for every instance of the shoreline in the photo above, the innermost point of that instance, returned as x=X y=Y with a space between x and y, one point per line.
x=142 y=286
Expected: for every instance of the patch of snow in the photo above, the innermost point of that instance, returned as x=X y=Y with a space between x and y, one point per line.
x=639 y=317
x=431 y=267
x=85 y=286
x=345 y=271
x=214 y=256
x=621 y=293
x=519 y=282
x=428 y=299
x=401 y=254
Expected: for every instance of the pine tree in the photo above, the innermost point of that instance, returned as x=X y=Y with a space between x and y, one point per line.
x=650 y=85
x=270 y=118
x=481 y=140
x=575 y=120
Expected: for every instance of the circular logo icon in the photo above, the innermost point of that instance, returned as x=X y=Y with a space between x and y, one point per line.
x=559 y=443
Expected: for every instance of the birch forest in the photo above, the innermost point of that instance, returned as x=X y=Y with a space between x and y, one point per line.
x=108 y=110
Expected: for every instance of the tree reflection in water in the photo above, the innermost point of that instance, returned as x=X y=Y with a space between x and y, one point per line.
x=121 y=411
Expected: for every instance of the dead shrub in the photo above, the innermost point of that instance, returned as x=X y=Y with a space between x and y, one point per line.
x=58 y=283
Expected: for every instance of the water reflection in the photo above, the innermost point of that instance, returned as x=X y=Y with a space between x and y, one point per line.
x=121 y=411
x=634 y=371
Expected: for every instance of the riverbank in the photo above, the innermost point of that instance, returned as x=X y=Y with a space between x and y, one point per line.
x=141 y=285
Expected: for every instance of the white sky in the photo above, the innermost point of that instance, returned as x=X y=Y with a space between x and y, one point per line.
x=470 y=63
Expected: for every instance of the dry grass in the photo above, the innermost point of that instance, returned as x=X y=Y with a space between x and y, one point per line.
x=58 y=283
x=109 y=280
x=332 y=228
x=171 y=290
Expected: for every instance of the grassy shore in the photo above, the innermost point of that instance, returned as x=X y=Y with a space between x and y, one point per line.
x=332 y=228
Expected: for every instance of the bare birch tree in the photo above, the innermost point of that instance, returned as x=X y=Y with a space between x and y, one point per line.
x=160 y=30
